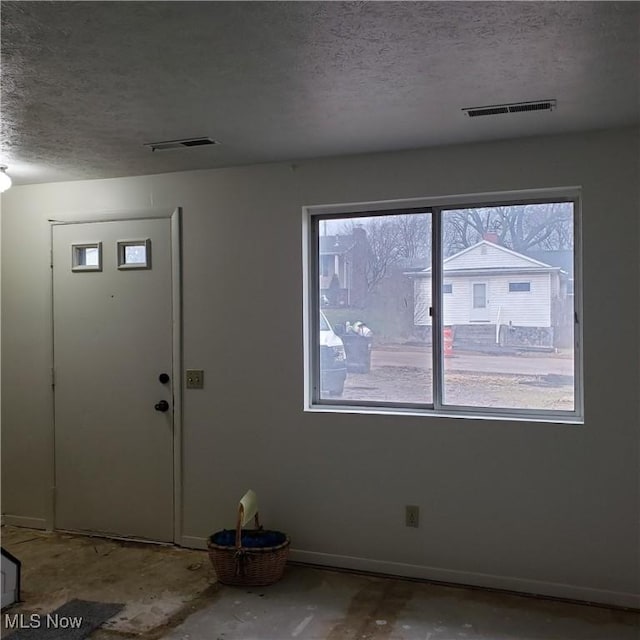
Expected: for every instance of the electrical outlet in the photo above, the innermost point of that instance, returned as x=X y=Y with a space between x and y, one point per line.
x=195 y=378
x=412 y=515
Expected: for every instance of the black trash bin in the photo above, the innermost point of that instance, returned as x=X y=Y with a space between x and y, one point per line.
x=358 y=352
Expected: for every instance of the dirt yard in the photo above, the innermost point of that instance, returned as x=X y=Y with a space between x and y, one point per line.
x=530 y=381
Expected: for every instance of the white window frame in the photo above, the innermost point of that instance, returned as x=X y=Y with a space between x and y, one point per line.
x=77 y=266
x=311 y=216
x=123 y=265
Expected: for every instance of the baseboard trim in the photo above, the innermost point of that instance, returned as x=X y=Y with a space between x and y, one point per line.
x=23 y=521
x=418 y=572
x=522 y=586
x=192 y=542
x=464 y=578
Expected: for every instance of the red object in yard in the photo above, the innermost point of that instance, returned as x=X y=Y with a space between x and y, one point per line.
x=447 y=341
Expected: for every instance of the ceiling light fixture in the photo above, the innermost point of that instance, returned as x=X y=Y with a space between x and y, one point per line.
x=5 y=180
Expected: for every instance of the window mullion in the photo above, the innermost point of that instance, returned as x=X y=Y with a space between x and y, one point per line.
x=436 y=307
x=578 y=372
x=314 y=310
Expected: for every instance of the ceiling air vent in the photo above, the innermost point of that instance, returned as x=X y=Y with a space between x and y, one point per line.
x=516 y=107
x=165 y=145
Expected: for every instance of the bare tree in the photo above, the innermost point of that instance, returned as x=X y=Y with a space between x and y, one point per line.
x=395 y=238
x=517 y=227
x=391 y=239
x=414 y=234
x=384 y=249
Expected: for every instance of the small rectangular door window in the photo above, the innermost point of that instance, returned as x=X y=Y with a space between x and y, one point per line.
x=134 y=254
x=86 y=257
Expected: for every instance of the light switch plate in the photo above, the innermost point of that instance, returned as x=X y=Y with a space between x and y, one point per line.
x=195 y=378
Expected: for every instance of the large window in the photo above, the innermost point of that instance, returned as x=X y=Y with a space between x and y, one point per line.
x=444 y=307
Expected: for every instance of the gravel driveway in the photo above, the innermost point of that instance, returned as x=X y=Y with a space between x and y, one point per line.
x=480 y=380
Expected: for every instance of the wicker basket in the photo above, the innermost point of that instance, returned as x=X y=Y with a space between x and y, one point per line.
x=248 y=566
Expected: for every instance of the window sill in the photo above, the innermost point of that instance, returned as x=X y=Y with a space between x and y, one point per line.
x=429 y=413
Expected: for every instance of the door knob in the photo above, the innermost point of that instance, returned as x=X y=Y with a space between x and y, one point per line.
x=163 y=406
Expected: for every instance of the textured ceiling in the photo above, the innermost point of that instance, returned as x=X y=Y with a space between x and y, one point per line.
x=86 y=84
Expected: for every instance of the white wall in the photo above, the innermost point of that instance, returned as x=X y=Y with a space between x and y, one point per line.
x=522 y=308
x=422 y=301
x=539 y=507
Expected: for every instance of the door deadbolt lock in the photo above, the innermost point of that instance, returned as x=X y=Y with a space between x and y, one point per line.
x=164 y=378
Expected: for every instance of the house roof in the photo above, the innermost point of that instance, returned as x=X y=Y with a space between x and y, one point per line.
x=562 y=258
x=413 y=264
x=486 y=257
x=517 y=258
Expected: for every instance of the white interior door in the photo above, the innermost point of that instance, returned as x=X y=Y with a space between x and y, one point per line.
x=479 y=301
x=112 y=342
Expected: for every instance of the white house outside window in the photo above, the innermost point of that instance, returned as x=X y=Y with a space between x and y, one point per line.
x=520 y=286
x=504 y=339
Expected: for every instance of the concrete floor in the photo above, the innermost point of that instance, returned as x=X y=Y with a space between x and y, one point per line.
x=170 y=594
x=156 y=583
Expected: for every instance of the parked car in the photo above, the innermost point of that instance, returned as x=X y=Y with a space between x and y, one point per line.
x=333 y=361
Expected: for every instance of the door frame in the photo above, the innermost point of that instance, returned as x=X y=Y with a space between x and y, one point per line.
x=175 y=218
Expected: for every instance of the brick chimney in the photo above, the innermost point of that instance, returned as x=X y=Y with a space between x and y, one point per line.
x=359 y=258
x=491 y=236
